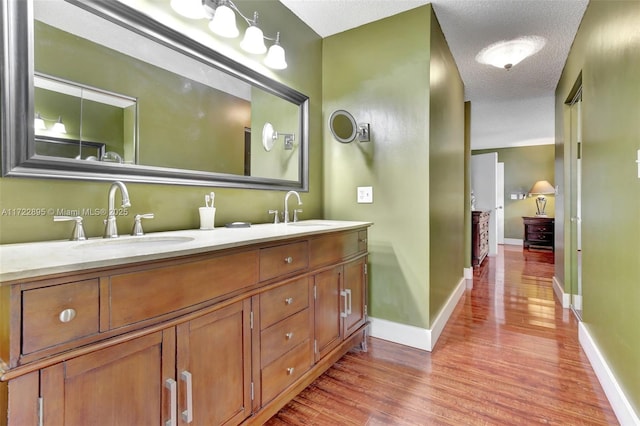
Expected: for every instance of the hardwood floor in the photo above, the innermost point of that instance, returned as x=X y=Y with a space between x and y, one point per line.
x=508 y=356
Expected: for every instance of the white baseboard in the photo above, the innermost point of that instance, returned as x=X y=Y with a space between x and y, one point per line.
x=618 y=400
x=513 y=241
x=577 y=302
x=468 y=273
x=417 y=337
x=564 y=298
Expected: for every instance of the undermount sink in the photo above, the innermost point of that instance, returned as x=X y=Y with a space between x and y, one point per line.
x=145 y=242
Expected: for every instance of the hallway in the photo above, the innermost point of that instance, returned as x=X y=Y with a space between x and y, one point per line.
x=508 y=356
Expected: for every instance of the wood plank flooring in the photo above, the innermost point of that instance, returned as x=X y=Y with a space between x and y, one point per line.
x=508 y=356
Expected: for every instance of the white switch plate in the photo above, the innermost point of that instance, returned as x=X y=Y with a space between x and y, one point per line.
x=365 y=194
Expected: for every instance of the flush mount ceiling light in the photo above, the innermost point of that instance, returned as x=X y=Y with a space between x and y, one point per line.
x=222 y=16
x=506 y=54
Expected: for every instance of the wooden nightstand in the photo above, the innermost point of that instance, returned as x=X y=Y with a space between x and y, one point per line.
x=538 y=231
x=479 y=236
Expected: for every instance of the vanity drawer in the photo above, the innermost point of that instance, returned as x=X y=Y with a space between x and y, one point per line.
x=333 y=248
x=283 y=301
x=142 y=295
x=284 y=259
x=281 y=373
x=284 y=335
x=59 y=314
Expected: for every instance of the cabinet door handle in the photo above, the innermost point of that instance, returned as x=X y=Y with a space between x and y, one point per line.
x=346 y=304
x=173 y=398
x=288 y=335
x=290 y=371
x=288 y=300
x=187 y=415
x=67 y=315
x=288 y=260
x=348 y=292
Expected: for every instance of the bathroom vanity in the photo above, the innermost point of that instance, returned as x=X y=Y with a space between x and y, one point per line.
x=202 y=327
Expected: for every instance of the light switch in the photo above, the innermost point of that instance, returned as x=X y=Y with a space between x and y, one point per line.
x=365 y=194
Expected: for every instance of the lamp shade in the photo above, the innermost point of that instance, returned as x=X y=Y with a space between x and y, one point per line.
x=224 y=22
x=275 y=58
x=542 y=187
x=253 y=41
x=38 y=122
x=188 y=8
x=59 y=127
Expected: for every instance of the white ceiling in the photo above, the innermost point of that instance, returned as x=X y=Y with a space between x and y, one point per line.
x=509 y=108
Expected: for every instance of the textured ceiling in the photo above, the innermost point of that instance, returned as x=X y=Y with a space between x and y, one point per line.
x=509 y=108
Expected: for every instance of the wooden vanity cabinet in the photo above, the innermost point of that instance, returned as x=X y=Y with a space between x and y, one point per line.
x=233 y=348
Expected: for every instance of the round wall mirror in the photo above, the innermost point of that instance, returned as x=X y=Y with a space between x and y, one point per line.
x=343 y=126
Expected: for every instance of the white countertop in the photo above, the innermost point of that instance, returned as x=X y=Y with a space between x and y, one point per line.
x=31 y=260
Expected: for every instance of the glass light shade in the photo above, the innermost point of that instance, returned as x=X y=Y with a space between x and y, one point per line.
x=275 y=58
x=224 y=22
x=38 y=123
x=253 y=41
x=59 y=127
x=506 y=54
x=191 y=9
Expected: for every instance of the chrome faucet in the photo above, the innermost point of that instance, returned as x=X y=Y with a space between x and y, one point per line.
x=110 y=228
x=286 y=204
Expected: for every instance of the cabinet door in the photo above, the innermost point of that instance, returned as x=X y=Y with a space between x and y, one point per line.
x=355 y=290
x=119 y=385
x=214 y=367
x=328 y=307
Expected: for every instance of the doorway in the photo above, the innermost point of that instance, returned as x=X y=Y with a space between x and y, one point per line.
x=487 y=184
x=575 y=202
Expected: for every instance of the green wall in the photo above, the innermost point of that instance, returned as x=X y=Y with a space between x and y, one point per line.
x=175 y=207
x=446 y=173
x=523 y=166
x=381 y=73
x=605 y=51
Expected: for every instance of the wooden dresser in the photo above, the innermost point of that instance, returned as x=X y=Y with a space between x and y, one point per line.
x=479 y=236
x=538 y=232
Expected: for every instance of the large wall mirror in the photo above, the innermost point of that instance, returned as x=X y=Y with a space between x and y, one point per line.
x=101 y=91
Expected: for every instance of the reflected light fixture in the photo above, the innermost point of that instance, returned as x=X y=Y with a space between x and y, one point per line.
x=541 y=188
x=222 y=16
x=507 y=54
x=58 y=125
x=270 y=135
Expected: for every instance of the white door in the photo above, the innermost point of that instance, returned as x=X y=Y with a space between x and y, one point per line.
x=500 y=204
x=484 y=176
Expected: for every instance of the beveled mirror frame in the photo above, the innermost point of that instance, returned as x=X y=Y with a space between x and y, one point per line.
x=17 y=114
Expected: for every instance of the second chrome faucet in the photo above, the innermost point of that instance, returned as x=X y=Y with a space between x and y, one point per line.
x=110 y=228
x=286 y=206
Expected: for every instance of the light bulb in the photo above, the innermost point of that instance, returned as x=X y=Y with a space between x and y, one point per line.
x=191 y=9
x=224 y=22
x=38 y=122
x=275 y=58
x=59 y=127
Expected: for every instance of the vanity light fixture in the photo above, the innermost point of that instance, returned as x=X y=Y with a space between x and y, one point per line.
x=222 y=16
x=541 y=188
x=506 y=54
x=58 y=125
x=270 y=135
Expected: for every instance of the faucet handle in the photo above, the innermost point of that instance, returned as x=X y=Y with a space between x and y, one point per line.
x=78 y=230
x=295 y=214
x=276 y=217
x=137 y=223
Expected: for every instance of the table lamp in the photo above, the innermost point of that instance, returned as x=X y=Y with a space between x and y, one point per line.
x=541 y=188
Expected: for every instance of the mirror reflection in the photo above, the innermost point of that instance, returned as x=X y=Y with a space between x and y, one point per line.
x=184 y=113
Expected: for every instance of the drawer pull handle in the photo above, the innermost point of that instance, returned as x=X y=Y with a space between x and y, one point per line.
x=288 y=260
x=67 y=315
x=173 y=397
x=363 y=240
x=290 y=371
x=187 y=415
x=288 y=335
x=288 y=300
